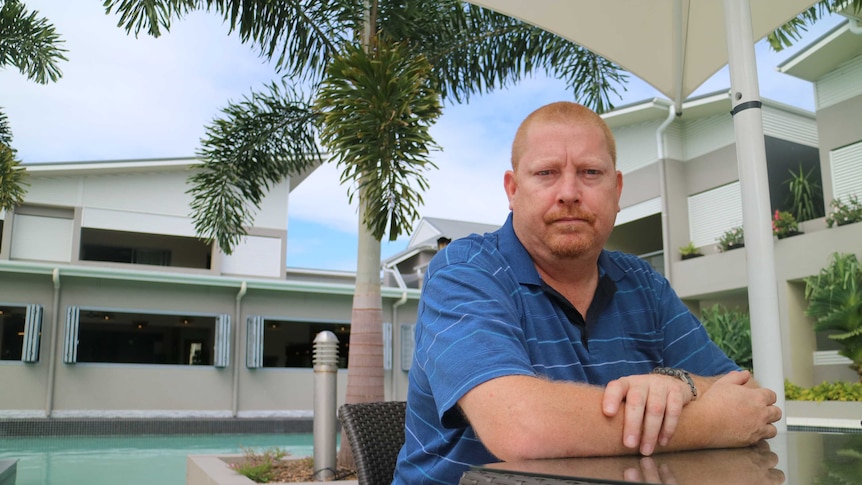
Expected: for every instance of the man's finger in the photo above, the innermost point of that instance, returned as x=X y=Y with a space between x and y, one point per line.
x=613 y=397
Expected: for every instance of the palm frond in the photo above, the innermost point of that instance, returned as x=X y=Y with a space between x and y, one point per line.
x=475 y=50
x=30 y=43
x=5 y=129
x=12 y=179
x=377 y=109
x=786 y=35
x=257 y=143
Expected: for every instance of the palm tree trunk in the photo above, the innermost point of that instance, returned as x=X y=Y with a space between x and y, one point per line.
x=365 y=361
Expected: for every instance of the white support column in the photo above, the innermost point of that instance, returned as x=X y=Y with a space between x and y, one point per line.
x=757 y=222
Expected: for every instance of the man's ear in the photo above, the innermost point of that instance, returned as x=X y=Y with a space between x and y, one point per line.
x=510 y=185
x=619 y=188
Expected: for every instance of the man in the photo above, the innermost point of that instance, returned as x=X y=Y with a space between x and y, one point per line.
x=534 y=342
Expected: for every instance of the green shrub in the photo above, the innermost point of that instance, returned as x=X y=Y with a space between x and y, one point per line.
x=689 y=251
x=258 y=467
x=825 y=391
x=731 y=239
x=731 y=332
x=835 y=302
x=845 y=211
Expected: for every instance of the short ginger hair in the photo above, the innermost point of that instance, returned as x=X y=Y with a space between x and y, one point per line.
x=561 y=112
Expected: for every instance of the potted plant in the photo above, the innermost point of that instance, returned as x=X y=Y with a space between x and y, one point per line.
x=803 y=191
x=731 y=239
x=689 y=251
x=844 y=212
x=784 y=224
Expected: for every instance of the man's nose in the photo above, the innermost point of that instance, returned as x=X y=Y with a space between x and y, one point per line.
x=569 y=188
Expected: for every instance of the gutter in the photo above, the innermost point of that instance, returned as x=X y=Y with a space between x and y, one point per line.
x=390 y=268
x=237 y=341
x=186 y=278
x=52 y=354
x=672 y=113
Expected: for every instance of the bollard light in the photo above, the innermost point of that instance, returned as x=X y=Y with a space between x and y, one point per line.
x=325 y=403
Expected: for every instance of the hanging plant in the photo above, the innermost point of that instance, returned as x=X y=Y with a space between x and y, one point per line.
x=689 y=251
x=731 y=239
x=784 y=224
x=844 y=211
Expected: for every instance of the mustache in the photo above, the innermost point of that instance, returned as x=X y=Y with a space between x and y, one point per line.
x=569 y=214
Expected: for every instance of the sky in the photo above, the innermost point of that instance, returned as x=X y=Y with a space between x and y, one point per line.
x=123 y=97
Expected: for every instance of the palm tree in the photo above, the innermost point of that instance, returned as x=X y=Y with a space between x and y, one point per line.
x=31 y=44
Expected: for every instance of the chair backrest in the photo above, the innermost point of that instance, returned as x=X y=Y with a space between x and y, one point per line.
x=375 y=431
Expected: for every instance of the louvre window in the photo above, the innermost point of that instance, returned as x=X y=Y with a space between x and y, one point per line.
x=20 y=332
x=712 y=212
x=282 y=343
x=128 y=337
x=847 y=171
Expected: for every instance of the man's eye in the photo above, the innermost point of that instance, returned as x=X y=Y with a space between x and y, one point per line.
x=592 y=171
x=544 y=172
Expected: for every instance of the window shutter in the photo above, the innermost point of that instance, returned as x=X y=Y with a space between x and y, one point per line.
x=70 y=347
x=32 y=333
x=222 y=341
x=713 y=212
x=846 y=171
x=407 y=345
x=387 y=346
x=254 y=342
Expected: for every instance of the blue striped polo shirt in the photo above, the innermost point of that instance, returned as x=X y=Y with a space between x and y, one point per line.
x=486 y=313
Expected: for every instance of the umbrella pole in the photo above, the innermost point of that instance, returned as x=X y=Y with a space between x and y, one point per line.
x=757 y=223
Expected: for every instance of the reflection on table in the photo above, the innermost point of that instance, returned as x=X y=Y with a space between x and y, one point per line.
x=792 y=458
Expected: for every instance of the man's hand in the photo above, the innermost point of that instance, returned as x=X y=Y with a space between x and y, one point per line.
x=746 y=412
x=653 y=404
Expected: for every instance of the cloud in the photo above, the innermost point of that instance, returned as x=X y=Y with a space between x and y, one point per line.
x=122 y=97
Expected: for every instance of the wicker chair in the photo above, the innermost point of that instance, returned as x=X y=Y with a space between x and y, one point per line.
x=375 y=431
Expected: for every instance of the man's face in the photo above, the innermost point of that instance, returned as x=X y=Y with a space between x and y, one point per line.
x=564 y=192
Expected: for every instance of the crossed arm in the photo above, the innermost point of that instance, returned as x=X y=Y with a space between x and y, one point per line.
x=523 y=417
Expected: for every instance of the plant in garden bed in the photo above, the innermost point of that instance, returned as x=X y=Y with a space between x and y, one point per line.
x=731 y=239
x=689 y=251
x=271 y=466
x=825 y=391
x=784 y=224
x=731 y=332
x=835 y=302
x=259 y=467
x=844 y=211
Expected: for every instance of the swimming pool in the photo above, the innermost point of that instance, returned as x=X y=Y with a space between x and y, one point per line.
x=130 y=460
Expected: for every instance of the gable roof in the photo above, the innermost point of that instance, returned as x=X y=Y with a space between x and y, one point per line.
x=430 y=229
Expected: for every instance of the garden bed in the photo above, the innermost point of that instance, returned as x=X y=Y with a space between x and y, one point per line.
x=216 y=470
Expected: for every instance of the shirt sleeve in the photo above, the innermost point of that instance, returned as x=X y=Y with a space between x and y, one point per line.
x=469 y=327
x=686 y=343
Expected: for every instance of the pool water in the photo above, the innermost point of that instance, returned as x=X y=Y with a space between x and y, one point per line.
x=130 y=460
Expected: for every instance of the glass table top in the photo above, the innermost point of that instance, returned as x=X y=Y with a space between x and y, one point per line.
x=794 y=457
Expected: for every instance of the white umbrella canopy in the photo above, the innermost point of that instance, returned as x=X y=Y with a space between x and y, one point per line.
x=676 y=45
x=673 y=45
